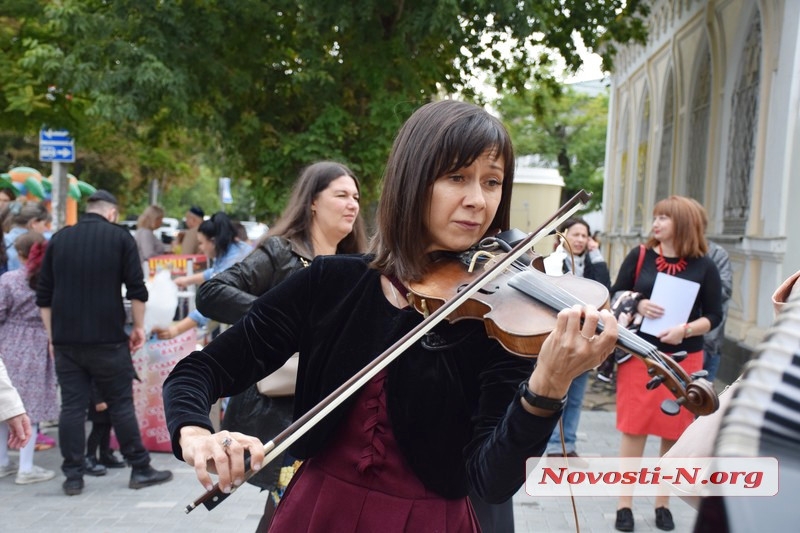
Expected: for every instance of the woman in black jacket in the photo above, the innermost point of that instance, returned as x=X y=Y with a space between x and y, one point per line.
x=404 y=451
x=322 y=217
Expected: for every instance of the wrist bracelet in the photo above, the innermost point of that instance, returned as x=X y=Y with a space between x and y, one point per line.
x=687 y=330
x=542 y=402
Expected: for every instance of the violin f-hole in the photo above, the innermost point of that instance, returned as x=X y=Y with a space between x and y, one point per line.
x=486 y=289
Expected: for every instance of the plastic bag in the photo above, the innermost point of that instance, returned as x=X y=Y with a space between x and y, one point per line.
x=161 y=303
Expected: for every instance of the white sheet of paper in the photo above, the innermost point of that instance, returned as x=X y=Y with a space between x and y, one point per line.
x=676 y=296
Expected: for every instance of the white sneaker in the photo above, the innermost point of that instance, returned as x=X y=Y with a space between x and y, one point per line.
x=10 y=468
x=36 y=475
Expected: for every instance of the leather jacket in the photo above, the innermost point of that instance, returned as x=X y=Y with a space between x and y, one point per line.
x=228 y=296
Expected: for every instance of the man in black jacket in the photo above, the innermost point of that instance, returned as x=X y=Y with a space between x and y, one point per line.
x=79 y=295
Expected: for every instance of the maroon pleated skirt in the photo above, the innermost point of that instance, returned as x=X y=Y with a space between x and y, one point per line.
x=362 y=483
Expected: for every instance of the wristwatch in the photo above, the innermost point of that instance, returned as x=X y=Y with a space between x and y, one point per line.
x=543 y=402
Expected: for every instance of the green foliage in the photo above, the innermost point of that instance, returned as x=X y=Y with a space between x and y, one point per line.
x=564 y=127
x=256 y=90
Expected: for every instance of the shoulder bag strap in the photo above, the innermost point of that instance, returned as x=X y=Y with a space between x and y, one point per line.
x=639 y=263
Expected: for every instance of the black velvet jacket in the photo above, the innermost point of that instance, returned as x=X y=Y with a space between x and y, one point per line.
x=455 y=412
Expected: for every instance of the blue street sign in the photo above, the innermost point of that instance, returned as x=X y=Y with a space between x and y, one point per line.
x=56 y=146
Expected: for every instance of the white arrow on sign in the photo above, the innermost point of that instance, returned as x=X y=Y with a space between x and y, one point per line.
x=50 y=134
x=64 y=152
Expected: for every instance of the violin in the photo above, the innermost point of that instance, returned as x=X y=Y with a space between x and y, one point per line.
x=519 y=308
x=451 y=297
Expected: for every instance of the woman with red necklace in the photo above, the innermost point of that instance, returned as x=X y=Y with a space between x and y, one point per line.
x=677 y=247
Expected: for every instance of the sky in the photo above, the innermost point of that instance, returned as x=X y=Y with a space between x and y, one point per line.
x=590 y=70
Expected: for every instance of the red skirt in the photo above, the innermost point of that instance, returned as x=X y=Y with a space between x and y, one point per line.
x=362 y=483
x=639 y=410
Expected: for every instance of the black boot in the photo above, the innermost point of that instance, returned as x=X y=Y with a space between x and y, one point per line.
x=91 y=468
x=145 y=476
x=73 y=486
x=110 y=460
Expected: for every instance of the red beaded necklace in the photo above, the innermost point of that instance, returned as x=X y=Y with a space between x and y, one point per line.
x=669 y=268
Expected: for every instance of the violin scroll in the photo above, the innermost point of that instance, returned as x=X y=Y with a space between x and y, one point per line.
x=693 y=392
x=700 y=399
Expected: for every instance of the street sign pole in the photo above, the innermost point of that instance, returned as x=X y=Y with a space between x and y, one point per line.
x=59 y=195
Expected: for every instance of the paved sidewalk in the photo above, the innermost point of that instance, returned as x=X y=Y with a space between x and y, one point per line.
x=107 y=505
x=597 y=437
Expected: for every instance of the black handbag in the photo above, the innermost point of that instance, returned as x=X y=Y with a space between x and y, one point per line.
x=623 y=306
x=264 y=417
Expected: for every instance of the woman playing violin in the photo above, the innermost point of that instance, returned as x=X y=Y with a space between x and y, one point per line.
x=404 y=451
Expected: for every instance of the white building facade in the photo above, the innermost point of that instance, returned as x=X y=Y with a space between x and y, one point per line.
x=708 y=108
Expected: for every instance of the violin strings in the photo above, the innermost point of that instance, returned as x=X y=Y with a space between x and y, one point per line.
x=558 y=298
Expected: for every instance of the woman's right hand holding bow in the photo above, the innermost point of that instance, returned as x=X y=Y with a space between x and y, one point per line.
x=220 y=453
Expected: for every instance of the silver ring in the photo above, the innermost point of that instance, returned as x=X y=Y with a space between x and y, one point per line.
x=226 y=442
x=590 y=339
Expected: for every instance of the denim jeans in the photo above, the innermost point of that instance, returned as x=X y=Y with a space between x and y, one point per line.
x=111 y=369
x=570 y=417
x=711 y=364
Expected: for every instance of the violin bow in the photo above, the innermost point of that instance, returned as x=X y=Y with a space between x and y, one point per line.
x=302 y=425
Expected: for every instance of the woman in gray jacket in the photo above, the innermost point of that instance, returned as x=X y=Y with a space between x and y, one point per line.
x=321 y=218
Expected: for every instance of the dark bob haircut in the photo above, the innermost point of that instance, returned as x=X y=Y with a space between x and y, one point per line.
x=438 y=138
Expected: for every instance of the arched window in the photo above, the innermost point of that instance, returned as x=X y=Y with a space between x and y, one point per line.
x=699 y=120
x=641 y=163
x=744 y=123
x=664 y=177
x=619 y=197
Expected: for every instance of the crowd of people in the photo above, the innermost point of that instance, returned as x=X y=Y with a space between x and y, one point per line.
x=438 y=437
